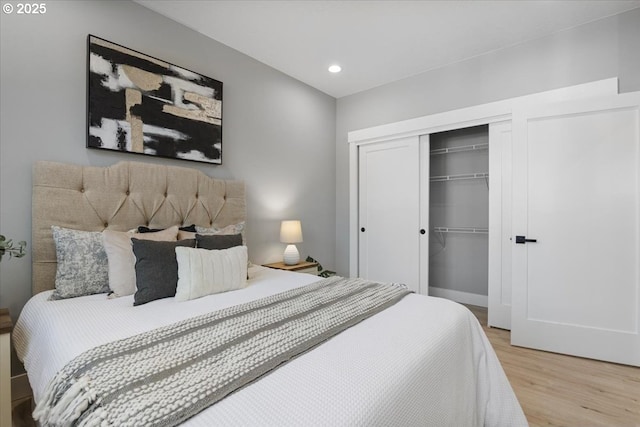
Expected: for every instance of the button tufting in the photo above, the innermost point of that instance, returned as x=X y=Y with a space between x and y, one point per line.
x=106 y=224
x=82 y=190
x=196 y=195
x=128 y=192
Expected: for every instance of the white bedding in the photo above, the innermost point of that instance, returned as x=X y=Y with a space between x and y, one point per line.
x=424 y=361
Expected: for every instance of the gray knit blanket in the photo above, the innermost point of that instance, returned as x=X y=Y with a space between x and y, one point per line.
x=167 y=375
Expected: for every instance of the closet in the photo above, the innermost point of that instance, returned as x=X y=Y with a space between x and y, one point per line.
x=424 y=212
x=534 y=199
x=459 y=214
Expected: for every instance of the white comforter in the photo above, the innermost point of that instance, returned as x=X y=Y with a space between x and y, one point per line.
x=423 y=362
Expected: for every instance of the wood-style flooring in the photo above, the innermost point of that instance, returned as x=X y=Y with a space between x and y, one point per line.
x=558 y=390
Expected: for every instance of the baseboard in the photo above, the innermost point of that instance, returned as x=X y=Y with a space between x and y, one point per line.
x=20 y=387
x=461 y=297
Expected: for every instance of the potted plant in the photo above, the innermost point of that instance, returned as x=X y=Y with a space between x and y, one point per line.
x=7 y=246
x=322 y=272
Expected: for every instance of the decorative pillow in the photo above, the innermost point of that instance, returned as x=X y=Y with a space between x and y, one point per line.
x=218 y=241
x=156 y=269
x=82 y=263
x=204 y=272
x=238 y=228
x=190 y=228
x=122 y=261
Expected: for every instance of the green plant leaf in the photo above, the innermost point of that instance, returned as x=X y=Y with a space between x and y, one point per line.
x=7 y=246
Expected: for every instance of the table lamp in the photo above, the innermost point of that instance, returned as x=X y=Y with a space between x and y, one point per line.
x=291 y=233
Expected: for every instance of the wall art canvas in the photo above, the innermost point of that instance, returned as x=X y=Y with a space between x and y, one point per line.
x=140 y=104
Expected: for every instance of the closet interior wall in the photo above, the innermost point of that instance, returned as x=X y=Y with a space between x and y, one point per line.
x=459 y=211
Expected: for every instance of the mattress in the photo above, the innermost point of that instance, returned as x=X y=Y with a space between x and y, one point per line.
x=423 y=361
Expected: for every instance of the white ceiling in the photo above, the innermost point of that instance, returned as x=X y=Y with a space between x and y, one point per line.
x=376 y=42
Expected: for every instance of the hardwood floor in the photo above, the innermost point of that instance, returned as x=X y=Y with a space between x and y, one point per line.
x=558 y=390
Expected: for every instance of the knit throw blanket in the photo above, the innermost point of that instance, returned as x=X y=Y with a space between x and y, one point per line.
x=167 y=375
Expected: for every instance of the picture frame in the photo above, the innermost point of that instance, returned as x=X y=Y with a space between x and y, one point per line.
x=140 y=104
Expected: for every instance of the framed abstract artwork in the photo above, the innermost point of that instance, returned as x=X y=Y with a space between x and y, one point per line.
x=140 y=104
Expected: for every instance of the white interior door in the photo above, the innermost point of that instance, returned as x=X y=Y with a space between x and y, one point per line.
x=500 y=162
x=576 y=189
x=389 y=212
x=425 y=187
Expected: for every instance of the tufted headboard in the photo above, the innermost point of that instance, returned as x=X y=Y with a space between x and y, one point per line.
x=122 y=197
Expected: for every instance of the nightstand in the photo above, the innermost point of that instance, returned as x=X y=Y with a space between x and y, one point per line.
x=5 y=367
x=301 y=267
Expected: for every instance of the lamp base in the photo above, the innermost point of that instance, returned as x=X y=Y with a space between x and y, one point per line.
x=291 y=255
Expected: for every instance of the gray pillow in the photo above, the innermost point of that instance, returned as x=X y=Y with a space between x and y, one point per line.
x=218 y=241
x=82 y=263
x=156 y=269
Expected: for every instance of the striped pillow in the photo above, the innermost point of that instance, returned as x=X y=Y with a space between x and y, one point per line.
x=204 y=272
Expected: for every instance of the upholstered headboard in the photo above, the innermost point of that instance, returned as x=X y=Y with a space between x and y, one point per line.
x=122 y=197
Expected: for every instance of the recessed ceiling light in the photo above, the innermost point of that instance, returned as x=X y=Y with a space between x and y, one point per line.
x=335 y=69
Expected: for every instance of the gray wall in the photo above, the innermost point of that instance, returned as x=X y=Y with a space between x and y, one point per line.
x=279 y=134
x=602 y=49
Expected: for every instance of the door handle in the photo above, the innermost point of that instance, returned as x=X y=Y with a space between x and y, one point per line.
x=523 y=240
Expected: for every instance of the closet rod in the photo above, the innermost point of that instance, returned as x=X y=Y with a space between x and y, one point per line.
x=458 y=177
x=472 y=230
x=459 y=149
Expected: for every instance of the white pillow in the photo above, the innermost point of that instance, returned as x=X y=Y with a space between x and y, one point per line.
x=122 y=261
x=203 y=272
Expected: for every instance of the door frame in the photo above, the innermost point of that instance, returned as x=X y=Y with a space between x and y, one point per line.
x=493 y=112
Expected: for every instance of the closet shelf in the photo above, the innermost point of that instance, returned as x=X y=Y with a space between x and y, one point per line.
x=459 y=149
x=459 y=177
x=471 y=230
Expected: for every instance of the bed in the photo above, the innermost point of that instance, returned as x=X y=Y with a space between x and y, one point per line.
x=421 y=361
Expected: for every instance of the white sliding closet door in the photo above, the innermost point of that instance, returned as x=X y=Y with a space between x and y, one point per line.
x=500 y=161
x=425 y=197
x=389 y=209
x=576 y=189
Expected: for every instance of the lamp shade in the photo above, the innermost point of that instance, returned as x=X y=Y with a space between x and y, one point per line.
x=291 y=232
